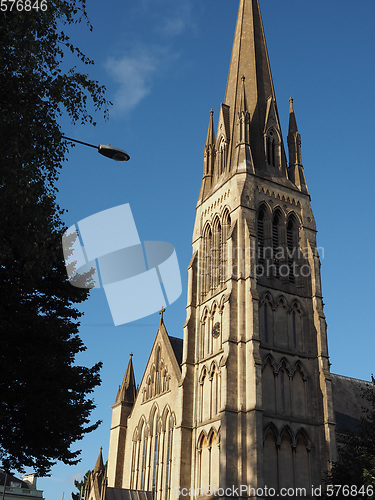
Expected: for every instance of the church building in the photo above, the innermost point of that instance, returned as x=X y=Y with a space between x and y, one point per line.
x=246 y=397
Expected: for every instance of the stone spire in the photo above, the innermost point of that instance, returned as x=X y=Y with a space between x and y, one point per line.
x=127 y=391
x=209 y=156
x=250 y=60
x=244 y=156
x=99 y=466
x=295 y=171
x=210 y=141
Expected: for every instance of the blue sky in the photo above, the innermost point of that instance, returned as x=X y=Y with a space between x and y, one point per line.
x=165 y=64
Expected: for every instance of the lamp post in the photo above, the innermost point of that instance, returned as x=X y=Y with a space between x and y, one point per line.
x=107 y=150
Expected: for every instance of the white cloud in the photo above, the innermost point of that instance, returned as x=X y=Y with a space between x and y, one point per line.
x=171 y=17
x=178 y=21
x=133 y=75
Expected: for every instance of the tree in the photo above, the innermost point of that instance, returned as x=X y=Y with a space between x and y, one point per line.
x=80 y=485
x=355 y=466
x=44 y=403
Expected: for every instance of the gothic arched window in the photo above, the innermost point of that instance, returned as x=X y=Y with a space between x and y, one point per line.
x=206 y=263
x=272 y=147
x=157 y=368
x=270 y=462
x=168 y=464
x=268 y=387
x=292 y=246
x=286 y=460
x=296 y=326
x=260 y=235
x=216 y=253
x=204 y=335
x=222 y=156
x=276 y=248
x=299 y=393
x=203 y=461
x=302 y=461
x=225 y=228
x=214 y=460
x=266 y=320
x=155 y=450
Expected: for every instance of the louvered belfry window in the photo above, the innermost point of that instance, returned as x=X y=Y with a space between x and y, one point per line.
x=291 y=249
x=275 y=244
x=261 y=256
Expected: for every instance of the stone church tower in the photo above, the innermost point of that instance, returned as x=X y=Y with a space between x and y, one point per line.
x=255 y=346
x=247 y=398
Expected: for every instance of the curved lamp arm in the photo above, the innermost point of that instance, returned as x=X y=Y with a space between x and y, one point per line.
x=109 y=151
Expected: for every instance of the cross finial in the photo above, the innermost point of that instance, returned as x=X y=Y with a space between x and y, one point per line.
x=161 y=312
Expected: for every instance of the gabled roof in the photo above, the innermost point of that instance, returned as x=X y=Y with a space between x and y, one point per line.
x=177 y=346
x=13 y=481
x=172 y=347
x=348 y=401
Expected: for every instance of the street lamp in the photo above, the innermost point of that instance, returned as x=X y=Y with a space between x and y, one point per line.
x=109 y=151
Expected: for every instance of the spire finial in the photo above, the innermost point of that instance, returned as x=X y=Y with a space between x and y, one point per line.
x=291 y=100
x=131 y=354
x=161 y=312
x=211 y=112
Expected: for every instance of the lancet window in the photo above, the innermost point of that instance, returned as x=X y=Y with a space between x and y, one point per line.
x=224 y=246
x=286 y=458
x=272 y=147
x=158 y=379
x=284 y=389
x=276 y=248
x=261 y=237
x=281 y=324
x=277 y=245
x=153 y=454
x=206 y=264
x=214 y=253
x=292 y=247
x=222 y=156
x=168 y=463
x=209 y=393
x=208 y=461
